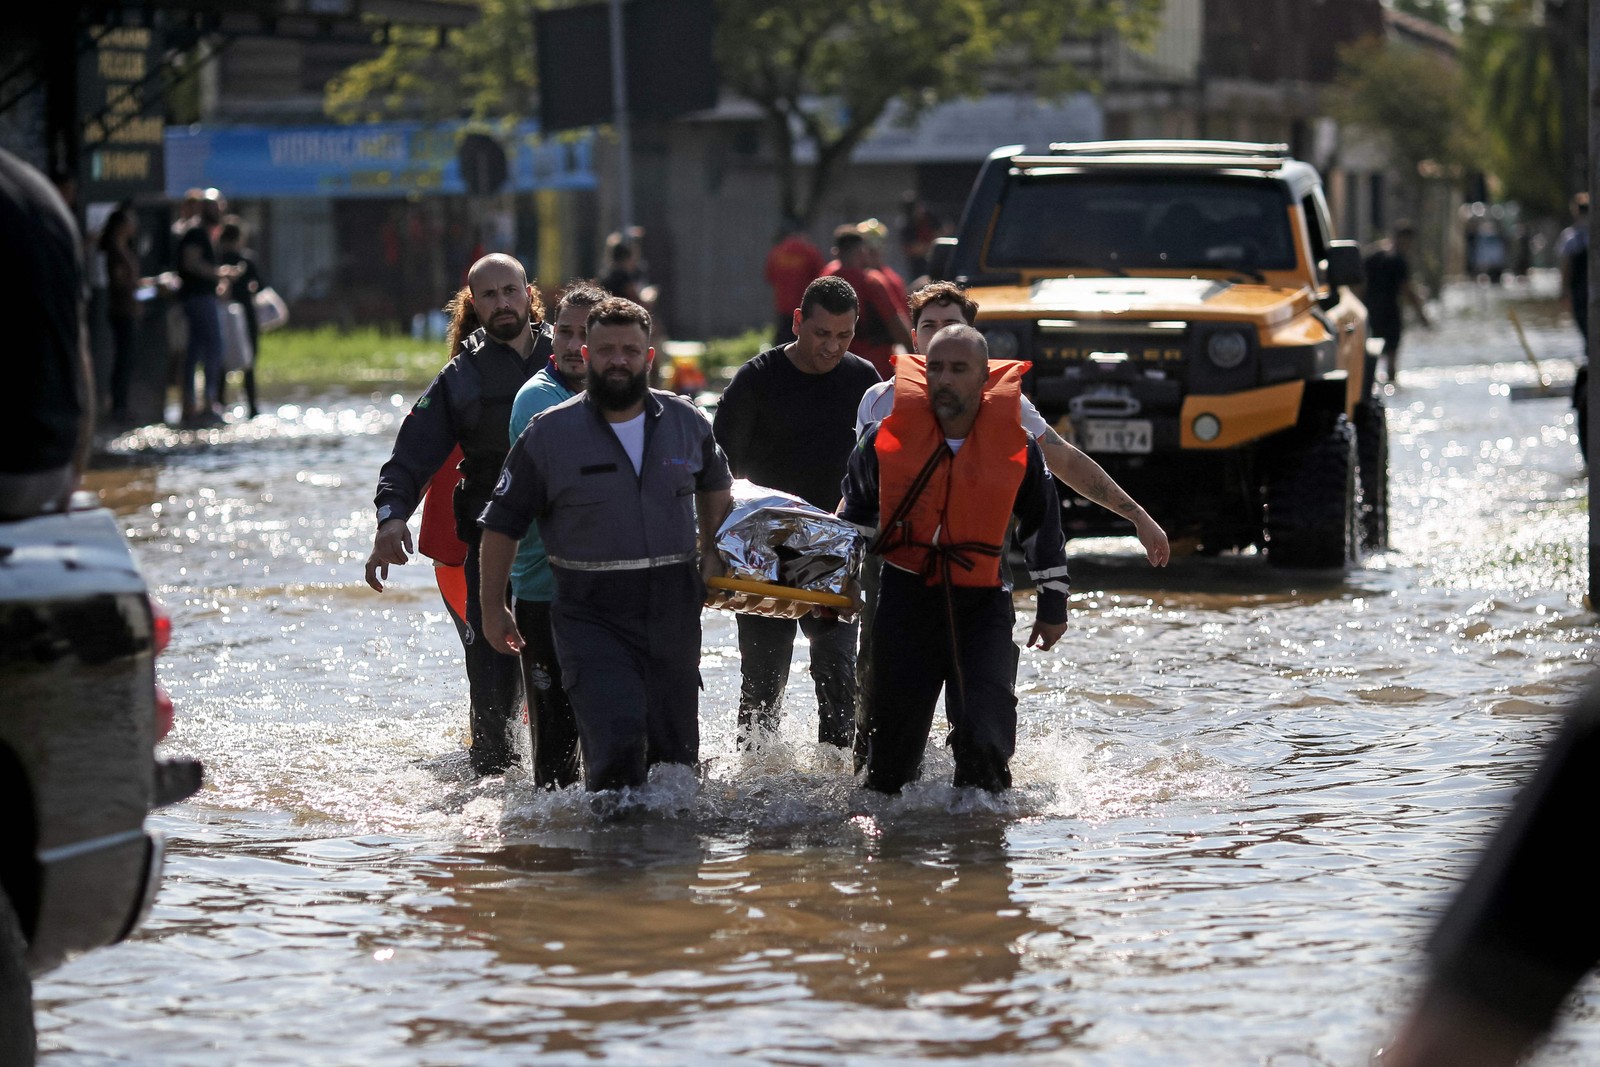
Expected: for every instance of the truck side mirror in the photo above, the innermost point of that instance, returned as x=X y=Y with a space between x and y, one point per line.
x=1343 y=265
x=939 y=256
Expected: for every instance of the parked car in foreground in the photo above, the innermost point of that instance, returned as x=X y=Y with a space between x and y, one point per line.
x=79 y=723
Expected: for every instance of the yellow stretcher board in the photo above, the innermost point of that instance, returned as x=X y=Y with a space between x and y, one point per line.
x=765 y=598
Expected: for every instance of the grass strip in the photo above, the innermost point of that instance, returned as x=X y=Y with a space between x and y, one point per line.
x=328 y=356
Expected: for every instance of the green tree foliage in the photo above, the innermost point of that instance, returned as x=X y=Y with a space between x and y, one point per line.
x=1528 y=67
x=1436 y=11
x=1415 y=100
x=826 y=70
x=823 y=71
x=484 y=71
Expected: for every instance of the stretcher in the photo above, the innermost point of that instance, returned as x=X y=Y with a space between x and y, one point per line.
x=765 y=598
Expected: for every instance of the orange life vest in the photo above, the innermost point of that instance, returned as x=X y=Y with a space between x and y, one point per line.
x=437 y=539
x=944 y=515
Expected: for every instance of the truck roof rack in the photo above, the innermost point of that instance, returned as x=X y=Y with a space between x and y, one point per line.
x=1248 y=149
x=1153 y=159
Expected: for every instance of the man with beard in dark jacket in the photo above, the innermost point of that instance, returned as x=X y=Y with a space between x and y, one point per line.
x=469 y=404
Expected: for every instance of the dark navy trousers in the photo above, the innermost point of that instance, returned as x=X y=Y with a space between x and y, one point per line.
x=913 y=658
x=629 y=646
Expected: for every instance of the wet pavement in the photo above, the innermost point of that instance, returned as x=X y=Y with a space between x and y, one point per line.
x=1243 y=793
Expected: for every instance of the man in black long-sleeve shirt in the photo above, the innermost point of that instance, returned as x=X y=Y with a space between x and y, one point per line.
x=787 y=421
x=937 y=480
x=469 y=404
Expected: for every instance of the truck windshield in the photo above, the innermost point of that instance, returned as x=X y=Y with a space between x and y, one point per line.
x=1140 y=222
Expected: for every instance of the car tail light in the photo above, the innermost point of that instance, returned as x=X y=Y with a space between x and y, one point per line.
x=163 y=625
x=161 y=637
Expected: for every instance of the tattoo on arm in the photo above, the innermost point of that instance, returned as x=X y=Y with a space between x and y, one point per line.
x=1106 y=493
x=1096 y=484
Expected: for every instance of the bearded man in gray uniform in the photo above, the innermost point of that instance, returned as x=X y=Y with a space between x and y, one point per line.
x=620 y=480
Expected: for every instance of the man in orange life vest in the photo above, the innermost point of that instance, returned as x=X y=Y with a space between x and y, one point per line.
x=939 y=479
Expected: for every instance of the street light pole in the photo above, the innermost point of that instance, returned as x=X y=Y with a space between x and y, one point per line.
x=1593 y=413
x=619 y=99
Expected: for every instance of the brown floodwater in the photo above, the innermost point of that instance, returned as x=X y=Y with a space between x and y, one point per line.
x=1243 y=794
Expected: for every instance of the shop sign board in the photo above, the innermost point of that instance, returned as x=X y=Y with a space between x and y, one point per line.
x=394 y=159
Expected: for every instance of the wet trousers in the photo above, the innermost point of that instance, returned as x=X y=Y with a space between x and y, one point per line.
x=914 y=657
x=765 y=648
x=204 y=351
x=494 y=684
x=124 y=349
x=629 y=647
x=550 y=719
x=871 y=568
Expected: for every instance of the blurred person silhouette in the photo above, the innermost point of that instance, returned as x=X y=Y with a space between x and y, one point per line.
x=200 y=278
x=1523 y=929
x=1387 y=286
x=187 y=211
x=883 y=322
x=792 y=264
x=1573 y=246
x=122 y=302
x=626 y=276
x=875 y=233
x=919 y=227
x=242 y=289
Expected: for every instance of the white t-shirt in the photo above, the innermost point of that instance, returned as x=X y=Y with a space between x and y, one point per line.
x=877 y=402
x=631 y=434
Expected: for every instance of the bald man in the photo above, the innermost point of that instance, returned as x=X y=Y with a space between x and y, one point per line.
x=469 y=404
x=936 y=482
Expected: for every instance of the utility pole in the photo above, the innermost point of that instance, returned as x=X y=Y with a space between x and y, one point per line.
x=1593 y=413
x=619 y=100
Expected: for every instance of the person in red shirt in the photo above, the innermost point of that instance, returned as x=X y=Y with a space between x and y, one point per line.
x=793 y=264
x=884 y=321
x=876 y=233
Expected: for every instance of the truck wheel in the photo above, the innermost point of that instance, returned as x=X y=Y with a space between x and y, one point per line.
x=16 y=991
x=1312 y=502
x=1372 y=448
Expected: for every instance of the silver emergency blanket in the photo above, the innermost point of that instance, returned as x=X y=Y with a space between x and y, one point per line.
x=772 y=536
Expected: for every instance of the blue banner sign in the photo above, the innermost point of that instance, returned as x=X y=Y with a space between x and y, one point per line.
x=382 y=159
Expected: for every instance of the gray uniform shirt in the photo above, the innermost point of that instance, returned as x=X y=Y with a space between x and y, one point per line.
x=569 y=471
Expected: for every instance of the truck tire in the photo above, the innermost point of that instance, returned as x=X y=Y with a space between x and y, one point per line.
x=16 y=991
x=1372 y=449
x=1312 y=503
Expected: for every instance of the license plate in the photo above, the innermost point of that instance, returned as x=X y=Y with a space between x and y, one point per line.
x=1115 y=435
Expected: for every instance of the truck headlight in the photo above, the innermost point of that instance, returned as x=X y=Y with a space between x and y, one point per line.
x=1227 y=348
x=1002 y=344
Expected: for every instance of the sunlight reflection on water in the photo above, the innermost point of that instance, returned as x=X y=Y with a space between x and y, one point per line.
x=1241 y=794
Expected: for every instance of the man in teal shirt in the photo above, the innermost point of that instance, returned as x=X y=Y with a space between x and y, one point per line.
x=551 y=723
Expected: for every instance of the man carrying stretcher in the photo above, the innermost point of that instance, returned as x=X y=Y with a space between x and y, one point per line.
x=939 y=480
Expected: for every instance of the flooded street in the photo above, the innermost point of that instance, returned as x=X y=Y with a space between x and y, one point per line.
x=1242 y=793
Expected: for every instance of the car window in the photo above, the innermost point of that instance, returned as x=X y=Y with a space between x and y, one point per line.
x=1318 y=228
x=1056 y=219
